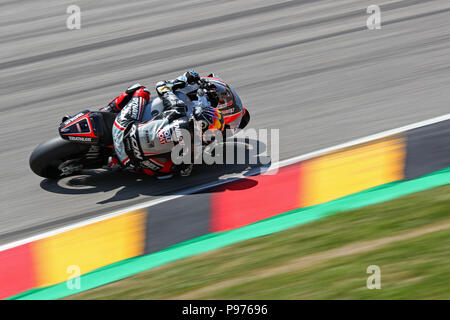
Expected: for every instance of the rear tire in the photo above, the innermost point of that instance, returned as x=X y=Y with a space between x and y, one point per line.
x=47 y=156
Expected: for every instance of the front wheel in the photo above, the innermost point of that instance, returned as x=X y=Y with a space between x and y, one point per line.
x=48 y=156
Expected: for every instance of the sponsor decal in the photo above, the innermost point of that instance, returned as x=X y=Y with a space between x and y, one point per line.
x=135 y=144
x=134 y=105
x=149 y=164
x=227 y=111
x=82 y=139
x=73 y=118
x=147 y=137
x=164 y=136
x=178 y=133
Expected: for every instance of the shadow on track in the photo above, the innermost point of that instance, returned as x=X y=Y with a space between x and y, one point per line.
x=132 y=185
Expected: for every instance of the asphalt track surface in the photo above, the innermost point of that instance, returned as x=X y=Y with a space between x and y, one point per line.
x=310 y=68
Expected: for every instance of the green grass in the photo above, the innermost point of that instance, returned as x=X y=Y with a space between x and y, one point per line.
x=418 y=268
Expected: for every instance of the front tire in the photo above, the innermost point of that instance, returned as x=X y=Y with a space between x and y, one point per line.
x=47 y=156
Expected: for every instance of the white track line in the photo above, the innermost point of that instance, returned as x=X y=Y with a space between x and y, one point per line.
x=372 y=137
x=279 y=164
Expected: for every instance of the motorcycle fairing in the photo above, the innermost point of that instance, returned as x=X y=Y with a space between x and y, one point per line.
x=232 y=109
x=80 y=128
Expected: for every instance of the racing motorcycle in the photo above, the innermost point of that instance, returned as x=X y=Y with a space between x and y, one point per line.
x=86 y=142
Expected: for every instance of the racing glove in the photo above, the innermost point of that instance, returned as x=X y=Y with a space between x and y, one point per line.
x=192 y=77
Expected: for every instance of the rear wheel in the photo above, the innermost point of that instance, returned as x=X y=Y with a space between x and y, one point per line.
x=48 y=156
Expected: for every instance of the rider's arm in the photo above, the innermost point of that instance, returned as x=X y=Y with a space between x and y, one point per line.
x=188 y=79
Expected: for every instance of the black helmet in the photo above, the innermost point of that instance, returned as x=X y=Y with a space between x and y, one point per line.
x=219 y=94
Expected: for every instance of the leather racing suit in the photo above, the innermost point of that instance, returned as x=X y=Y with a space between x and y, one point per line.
x=146 y=146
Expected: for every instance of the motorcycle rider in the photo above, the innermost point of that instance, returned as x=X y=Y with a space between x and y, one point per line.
x=130 y=105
